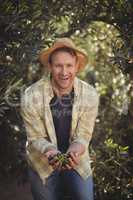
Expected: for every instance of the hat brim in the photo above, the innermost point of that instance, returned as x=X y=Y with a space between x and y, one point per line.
x=82 y=56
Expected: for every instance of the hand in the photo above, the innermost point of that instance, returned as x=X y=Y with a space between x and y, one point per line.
x=51 y=153
x=51 y=156
x=73 y=161
x=54 y=162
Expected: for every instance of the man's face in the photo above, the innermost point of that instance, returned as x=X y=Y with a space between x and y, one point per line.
x=63 y=68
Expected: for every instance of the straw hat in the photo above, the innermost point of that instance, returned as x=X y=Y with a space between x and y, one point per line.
x=63 y=42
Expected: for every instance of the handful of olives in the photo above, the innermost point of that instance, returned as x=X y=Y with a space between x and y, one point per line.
x=62 y=158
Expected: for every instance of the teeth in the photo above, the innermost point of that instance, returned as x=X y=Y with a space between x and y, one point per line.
x=64 y=78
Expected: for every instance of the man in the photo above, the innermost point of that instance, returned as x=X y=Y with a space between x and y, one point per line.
x=59 y=113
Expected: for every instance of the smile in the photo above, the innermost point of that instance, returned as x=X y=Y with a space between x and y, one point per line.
x=64 y=79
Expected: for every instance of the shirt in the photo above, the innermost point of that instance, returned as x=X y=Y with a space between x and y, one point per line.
x=61 y=108
x=37 y=116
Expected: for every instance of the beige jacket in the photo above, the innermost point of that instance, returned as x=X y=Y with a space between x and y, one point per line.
x=40 y=129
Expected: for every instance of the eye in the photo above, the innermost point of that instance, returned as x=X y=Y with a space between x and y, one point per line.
x=69 y=65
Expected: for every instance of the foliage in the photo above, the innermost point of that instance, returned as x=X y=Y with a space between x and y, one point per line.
x=113 y=172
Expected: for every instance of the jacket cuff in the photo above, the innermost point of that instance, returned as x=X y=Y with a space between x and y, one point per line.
x=81 y=141
x=42 y=145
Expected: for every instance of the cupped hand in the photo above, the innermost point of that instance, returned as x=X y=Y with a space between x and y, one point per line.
x=73 y=161
x=51 y=156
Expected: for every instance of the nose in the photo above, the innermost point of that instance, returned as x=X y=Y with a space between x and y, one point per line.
x=64 y=71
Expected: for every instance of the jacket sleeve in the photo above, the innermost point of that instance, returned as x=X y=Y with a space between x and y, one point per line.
x=36 y=132
x=86 y=122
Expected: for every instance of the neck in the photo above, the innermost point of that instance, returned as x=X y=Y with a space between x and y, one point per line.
x=61 y=91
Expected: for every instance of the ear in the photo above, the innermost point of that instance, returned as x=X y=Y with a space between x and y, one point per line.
x=77 y=66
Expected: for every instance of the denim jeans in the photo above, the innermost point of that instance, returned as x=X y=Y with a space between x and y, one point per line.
x=65 y=185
